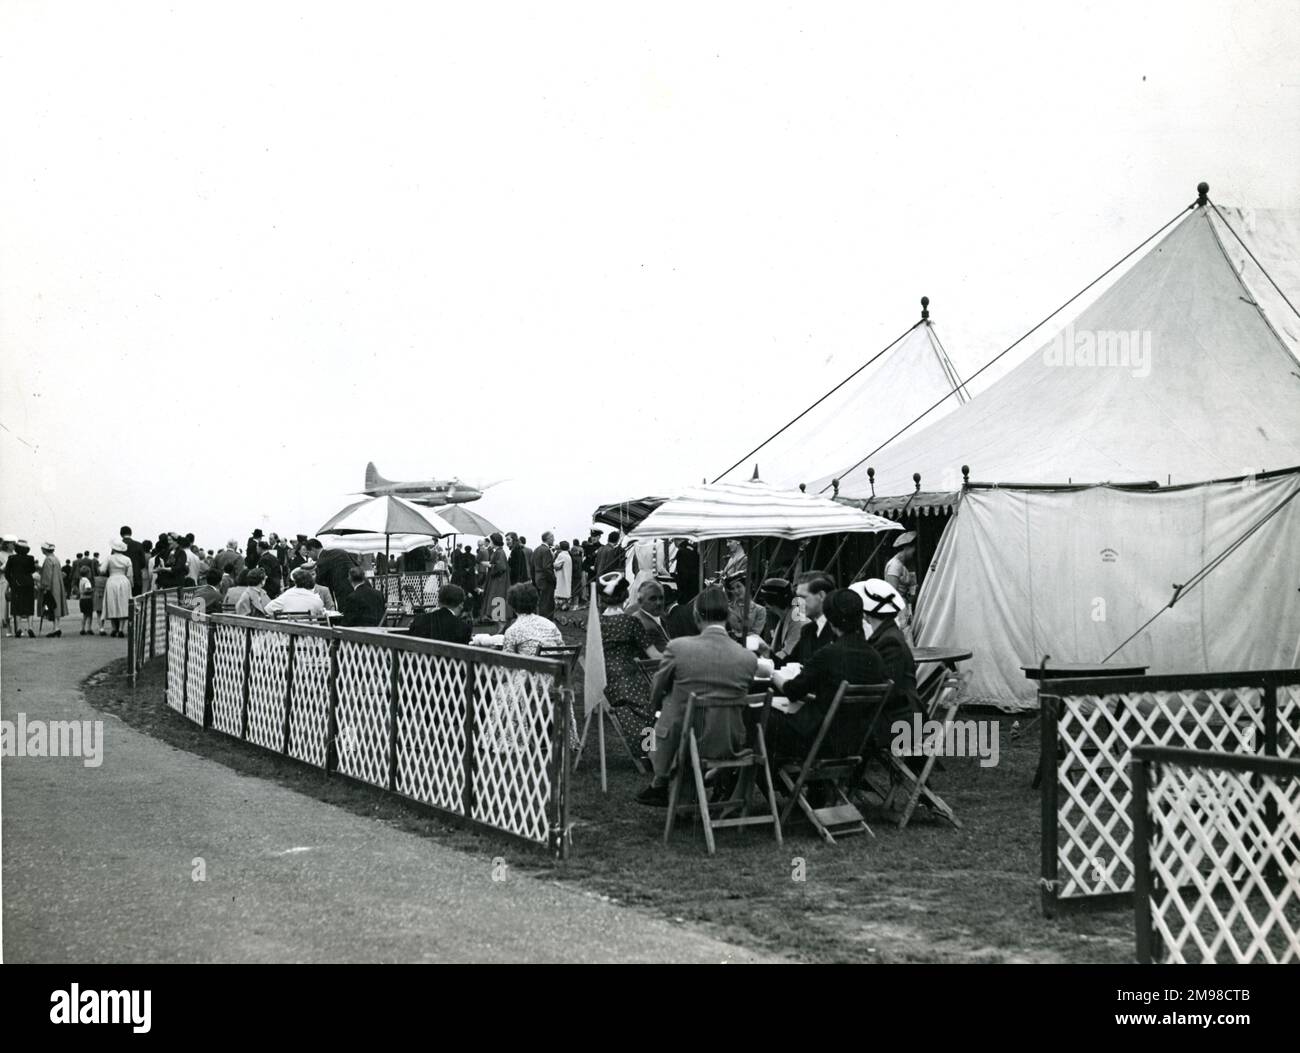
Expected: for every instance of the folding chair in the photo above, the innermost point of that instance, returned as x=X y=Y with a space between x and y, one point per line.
x=648 y=667
x=749 y=761
x=943 y=709
x=568 y=654
x=841 y=770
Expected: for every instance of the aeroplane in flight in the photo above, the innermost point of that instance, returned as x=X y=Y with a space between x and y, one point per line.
x=429 y=492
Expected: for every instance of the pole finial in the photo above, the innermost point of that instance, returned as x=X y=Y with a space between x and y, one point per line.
x=803 y=488
x=916 y=478
x=925 y=308
x=754 y=478
x=965 y=475
x=835 y=486
x=1202 y=194
x=871 y=478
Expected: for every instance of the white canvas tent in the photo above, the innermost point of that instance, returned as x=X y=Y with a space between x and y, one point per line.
x=915 y=373
x=1208 y=388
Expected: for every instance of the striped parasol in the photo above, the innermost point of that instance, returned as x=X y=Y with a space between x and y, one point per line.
x=754 y=509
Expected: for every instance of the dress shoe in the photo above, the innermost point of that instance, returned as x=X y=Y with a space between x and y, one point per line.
x=654 y=796
x=57 y=633
x=31 y=634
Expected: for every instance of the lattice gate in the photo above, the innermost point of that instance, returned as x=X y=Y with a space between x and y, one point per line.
x=1217 y=857
x=1089 y=729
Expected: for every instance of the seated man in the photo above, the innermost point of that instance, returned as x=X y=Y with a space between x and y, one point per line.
x=208 y=594
x=363 y=604
x=851 y=658
x=444 y=622
x=649 y=612
x=712 y=665
x=811 y=591
x=300 y=599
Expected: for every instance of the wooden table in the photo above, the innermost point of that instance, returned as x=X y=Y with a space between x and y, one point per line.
x=947 y=656
x=1081 y=670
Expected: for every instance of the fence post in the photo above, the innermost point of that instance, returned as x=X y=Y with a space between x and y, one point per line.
x=1047 y=770
x=185 y=672
x=471 y=732
x=561 y=701
x=248 y=665
x=1259 y=783
x=210 y=676
x=1137 y=770
x=394 y=681
x=332 y=722
x=288 y=691
x=153 y=625
x=131 y=621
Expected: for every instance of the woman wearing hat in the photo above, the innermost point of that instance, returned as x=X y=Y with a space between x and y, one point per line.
x=624 y=640
x=21 y=574
x=117 y=590
x=54 y=601
x=497 y=584
x=881 y=606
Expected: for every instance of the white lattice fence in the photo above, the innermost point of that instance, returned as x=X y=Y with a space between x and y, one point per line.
x=431 y=731
x=513 y=750
x=1087 y=820
x=196 y=671
x=176 y=626
x=268 y=669
x=364 y=683
x=228 y=678
x=309 y=717
x=1218 y=859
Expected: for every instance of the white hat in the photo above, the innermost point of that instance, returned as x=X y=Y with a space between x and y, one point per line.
x=879 y=598
x=907 y=537
x=47 y=546
x=11 y=539
x=610 y=582
x=118 y=546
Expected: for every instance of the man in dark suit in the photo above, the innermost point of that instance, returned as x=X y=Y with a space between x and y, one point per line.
x=544 y=575
x=269 y=564
x=710 y=665
x=686 y=571
x=333 y=569
x=251 y=550
x=812 y=589
x=518 y=562
x=591 y=553
x=610 y=557
x=364 y=604
x=649 y=611
x=850 y=657
x=135 y=554
x=444 y=622
x=680 y=621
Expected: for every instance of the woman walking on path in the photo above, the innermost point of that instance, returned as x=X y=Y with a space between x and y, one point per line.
x=54 y=601
x=117 y=592
x=21 y=573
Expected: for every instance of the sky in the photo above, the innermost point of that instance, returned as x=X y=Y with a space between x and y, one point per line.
x=593 y=250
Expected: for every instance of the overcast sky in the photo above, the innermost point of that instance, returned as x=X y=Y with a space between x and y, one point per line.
x=595 y=249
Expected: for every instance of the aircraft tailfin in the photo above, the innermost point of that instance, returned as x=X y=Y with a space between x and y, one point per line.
x=373 y=478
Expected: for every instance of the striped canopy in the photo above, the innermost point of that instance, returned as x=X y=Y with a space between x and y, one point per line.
x=754 y=509
x=372 y=544
x=387 y=515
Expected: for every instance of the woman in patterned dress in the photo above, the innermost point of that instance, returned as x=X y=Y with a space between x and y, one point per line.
x=624 y=640
x=526 y=635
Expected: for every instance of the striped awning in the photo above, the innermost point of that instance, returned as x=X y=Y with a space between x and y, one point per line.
x=754 y=509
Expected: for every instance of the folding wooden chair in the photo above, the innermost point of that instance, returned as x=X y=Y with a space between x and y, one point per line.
x=943 y=709
x=748 y=762
x=841 y=770
x=568 y=654
x=648 y=667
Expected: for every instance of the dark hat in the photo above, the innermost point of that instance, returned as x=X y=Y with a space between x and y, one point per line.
x=596 y=532
x=777 y=590
x=257 y=532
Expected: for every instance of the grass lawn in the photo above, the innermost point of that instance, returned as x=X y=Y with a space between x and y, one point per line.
x=925 y=894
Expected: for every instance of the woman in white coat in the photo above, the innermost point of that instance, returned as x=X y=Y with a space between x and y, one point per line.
x=117 y=593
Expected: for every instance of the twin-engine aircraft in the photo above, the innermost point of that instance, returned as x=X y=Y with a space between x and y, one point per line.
x=430 y=492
